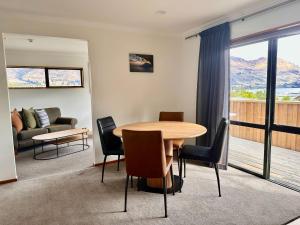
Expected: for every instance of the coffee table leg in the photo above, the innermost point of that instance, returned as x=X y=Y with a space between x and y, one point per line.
x=56 y=148
x=86 y=139
x=82 y=142
x=34 y=149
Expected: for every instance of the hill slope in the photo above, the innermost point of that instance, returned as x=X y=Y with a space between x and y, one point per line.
x=252 y=74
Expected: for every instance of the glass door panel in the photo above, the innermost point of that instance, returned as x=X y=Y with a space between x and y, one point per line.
x=248 y=82
x=285 y=158
x=246 y=148
x=285 y=150
x=287 y=107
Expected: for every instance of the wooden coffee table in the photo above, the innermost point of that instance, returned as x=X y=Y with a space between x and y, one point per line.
x=60 y=138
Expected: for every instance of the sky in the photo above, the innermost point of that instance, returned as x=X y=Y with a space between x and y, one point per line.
x=288 y=49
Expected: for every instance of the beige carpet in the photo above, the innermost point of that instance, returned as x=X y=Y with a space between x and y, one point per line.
x=79 y=198
x=28 y=168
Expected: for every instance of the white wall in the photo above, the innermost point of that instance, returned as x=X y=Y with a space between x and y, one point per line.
x=7 y=157
x=128 y=97
x=73 y=102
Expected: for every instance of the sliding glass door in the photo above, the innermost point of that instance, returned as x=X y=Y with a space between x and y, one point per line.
x=285 y=151
x=248 y=66
x=265 y=108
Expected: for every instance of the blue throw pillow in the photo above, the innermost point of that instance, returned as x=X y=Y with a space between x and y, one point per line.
x=43 y=117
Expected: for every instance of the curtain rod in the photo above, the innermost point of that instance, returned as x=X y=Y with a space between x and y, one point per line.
x=242 y=18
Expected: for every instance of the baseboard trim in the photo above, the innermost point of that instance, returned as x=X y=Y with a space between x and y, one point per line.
x=108 y=162
x=8 y=181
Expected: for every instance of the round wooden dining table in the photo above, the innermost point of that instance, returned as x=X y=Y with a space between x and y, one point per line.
x=170 y=131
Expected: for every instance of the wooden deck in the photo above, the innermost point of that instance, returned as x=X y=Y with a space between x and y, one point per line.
x=285 y=164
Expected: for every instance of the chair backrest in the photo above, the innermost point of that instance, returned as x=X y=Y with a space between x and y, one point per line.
x=171 y=116
x=218 y=143
x=144 y=153
x=108 y=140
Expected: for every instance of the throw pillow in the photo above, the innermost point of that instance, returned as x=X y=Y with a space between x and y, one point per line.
x=28 y=118
x=42 y=117
x=16 y=120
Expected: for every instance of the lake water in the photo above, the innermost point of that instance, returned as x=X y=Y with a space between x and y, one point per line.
x=292 y=92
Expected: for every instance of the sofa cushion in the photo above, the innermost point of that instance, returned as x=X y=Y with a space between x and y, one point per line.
x=53 y=114
x=28 y=134
x=58 y=127
x=42 y=117
x=29 y=118
x=16 y=120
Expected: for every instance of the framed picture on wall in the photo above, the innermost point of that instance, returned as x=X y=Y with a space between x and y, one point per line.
x=26 y=77
x=141 y=63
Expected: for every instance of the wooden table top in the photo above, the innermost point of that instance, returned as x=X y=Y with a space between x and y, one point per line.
x=171 y=130
x=60 y=134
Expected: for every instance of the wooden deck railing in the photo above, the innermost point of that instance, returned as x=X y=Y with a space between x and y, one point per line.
x=253 y=111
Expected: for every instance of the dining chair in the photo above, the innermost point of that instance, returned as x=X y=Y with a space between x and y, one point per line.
x=177 y=143
x=210 y=155
x=145 y=157
x=111 y=144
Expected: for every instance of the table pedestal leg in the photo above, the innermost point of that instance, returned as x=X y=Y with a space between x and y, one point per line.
x=157 y=182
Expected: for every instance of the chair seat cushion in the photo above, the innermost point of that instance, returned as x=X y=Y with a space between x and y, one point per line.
x=58 y=127
x=195 y=152
x=177 y=143
x=28 y=134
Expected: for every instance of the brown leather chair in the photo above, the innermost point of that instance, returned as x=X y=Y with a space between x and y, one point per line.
x=179 y=117
x=145 y=157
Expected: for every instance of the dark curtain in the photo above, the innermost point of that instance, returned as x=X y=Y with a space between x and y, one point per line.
x=213 y=84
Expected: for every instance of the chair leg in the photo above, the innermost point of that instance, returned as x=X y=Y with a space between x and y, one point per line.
x=180 y=174
x=103 y=166
x=138 y=184
x=217 y=173
x=165 y=196
x=131 y=182
x=172 y=178
x=126 y=189
x=118 y=162
x=178 y=158
x=184 y=168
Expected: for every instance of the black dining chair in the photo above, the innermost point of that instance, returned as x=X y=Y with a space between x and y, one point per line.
x=111 y=144
x=206 y=154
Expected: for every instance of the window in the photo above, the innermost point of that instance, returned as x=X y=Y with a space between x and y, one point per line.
x=248 y=82
x=44 y=77
x=287 y=107
x=23 y=77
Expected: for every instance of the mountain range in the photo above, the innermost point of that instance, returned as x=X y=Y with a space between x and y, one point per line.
x=252 y=74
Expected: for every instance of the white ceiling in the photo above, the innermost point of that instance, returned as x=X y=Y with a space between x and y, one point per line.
x=181 y=15
x=44 y=43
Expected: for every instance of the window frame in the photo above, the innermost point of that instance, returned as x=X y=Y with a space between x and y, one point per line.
x=46 y=74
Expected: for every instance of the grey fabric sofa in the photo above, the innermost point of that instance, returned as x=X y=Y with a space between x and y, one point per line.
x=57 y=123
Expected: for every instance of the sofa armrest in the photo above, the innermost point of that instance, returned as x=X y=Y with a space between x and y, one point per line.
x=67 y=120
x=15 y=138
